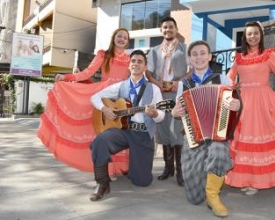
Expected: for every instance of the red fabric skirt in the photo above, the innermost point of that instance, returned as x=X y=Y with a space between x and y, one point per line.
x=66 y=127
x=254 y=164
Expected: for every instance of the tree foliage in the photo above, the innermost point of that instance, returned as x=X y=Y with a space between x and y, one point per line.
x=7 y=82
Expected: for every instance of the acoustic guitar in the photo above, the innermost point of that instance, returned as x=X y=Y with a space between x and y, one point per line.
x=123 y=108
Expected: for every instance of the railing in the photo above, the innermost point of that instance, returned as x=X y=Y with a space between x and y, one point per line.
x=45 y=4
x=40 y=8
x=28 y=19
x=223 y=59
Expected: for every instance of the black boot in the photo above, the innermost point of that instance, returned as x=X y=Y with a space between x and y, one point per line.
x=178 y=149
x=168 y=156
x=103 y=183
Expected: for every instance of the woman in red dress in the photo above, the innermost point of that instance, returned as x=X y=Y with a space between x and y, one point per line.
x=66 y=125
x=253 y=146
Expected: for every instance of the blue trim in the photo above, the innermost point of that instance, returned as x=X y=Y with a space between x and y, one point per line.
x=235 y=23
x=202 y=14
x=196 y=27
x=271 y=14
x=216 y=25
x=205 y=28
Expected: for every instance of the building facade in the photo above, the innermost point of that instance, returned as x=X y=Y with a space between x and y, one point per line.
x=66 y=26
x=87 y=25
x=142 y=19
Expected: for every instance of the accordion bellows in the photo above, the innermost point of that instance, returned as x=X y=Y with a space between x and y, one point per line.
x=205 y=117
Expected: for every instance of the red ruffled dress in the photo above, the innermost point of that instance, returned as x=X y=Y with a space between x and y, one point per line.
x=253 y=146
x=66 y=125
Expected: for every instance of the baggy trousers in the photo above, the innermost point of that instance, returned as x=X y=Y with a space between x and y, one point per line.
x=197 y=162
x=141 y=152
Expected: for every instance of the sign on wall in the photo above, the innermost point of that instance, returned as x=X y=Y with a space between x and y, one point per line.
x=27 y=56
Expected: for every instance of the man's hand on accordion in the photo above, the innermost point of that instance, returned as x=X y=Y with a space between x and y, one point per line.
x=178 y=110
x=231 y=103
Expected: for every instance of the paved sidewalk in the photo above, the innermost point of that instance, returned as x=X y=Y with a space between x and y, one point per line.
x=35 y=186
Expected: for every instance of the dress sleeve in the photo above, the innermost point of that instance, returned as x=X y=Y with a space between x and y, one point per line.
x=232 y=73
x=271 y=62
x=90 y=70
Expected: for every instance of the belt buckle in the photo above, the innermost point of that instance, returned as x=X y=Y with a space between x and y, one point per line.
x=134 y=126
x=142 y=127
x=137 y=127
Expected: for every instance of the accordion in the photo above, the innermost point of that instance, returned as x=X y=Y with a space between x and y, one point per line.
x=205 y=117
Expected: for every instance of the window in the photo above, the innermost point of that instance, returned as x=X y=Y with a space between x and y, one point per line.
x=239 y=38
x=144 y=14
x=131 y=44
x=154 y=41
x=141 y=43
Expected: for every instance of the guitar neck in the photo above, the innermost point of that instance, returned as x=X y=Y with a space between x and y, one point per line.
x=130 y=111
x=164 y=105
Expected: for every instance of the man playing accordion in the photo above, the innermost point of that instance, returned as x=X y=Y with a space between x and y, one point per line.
x=204 y=166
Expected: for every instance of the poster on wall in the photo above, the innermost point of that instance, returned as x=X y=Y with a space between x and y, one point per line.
x=27 y=56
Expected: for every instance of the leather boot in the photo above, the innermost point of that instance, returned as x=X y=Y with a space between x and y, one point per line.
x=178 y=149
x=213 y=187
x=168 y=156
x=103 y=183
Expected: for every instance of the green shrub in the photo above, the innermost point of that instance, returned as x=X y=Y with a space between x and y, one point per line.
x=37 y=108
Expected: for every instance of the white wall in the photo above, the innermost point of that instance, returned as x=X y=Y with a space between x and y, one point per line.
x=107 y=23
x=37 y=94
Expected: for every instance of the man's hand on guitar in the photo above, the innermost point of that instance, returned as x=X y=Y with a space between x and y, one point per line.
x=109 y=113
x=151 y=111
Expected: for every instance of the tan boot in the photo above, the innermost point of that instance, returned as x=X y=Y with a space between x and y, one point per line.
x=213 y=186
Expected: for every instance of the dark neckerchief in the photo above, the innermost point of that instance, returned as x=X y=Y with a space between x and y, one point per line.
x=198 y=80
x=214 y=77
x=133 y=89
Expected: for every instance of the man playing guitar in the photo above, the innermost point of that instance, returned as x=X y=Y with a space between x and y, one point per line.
x=138 y=138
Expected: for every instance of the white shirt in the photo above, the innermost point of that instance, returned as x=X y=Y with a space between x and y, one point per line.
x=112 y=92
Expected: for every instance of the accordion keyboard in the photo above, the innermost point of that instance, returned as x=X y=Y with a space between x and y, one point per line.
x=189 y=133
x=224 y=117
